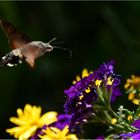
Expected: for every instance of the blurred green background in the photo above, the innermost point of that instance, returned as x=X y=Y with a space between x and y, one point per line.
x=95 y=32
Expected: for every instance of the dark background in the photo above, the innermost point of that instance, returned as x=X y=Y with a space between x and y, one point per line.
x=96 y=32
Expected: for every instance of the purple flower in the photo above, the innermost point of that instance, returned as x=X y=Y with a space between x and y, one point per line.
x=77 y=96
x=104 y=73
x=82 y=96
x=63 y=120
x=115 y=93
x=133 y=135
x=136 y=124
x=104 y=70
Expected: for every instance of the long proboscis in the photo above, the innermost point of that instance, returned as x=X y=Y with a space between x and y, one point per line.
x=65 y=49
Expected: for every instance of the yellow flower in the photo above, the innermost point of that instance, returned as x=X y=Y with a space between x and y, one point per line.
x=129 y=117
x=113 y=121
x=132 y=83
x=133 y=88
x=134 y=98
x=53 y=133
x=29 y=120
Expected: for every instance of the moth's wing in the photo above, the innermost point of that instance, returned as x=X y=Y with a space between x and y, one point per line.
x=16 y=38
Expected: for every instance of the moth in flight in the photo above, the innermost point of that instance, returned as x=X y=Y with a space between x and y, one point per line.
x=22 y=47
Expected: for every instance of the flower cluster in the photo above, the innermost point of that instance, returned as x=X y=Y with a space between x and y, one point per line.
x=132 y=87
x=88 y=100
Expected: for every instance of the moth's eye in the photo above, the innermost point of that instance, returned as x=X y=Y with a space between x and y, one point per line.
x=40 y=44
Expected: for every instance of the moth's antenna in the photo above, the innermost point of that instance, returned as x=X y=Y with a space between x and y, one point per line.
x=52 y=40
x=65 y=49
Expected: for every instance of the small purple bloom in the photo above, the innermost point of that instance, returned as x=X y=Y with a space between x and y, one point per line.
x=63 y=120
x=136 y=124
x=104 y=70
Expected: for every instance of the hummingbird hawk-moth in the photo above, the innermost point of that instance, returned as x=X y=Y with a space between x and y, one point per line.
x=22 y=47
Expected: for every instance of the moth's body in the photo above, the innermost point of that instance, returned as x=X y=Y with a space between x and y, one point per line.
x=28 y=52
x=23 y=48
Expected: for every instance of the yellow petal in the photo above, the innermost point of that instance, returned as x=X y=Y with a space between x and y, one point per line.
x=27 y=110
x=36 y=112
x=16 y=131
x=19 y=112
x=71 y=137
x=135 y=101
x=87 y=90
x=65 y=131
x=74 y=82
x=131 y=96
x=109 y=80
x=17 y=121
x=98 y=82
x=78 y=78
x=49 y=118
x=85 y=73
x=28 y=133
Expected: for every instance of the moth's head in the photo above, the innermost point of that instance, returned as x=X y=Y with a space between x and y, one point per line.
x=48 y=47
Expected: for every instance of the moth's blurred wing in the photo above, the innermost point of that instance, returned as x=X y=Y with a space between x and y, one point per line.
x=16 y=38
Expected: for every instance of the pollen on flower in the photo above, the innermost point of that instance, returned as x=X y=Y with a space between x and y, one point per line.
x=29 y=120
